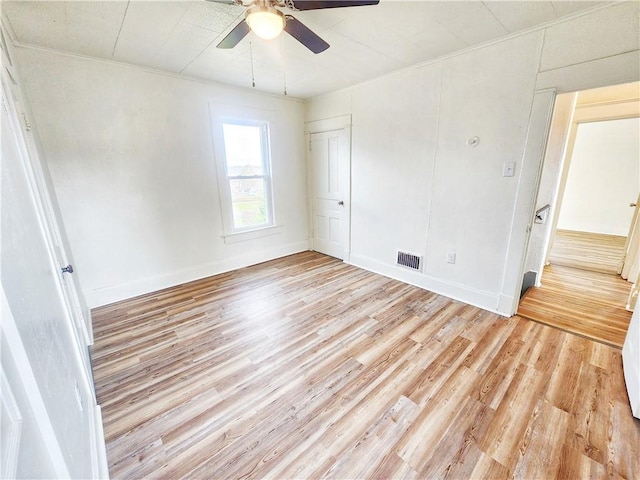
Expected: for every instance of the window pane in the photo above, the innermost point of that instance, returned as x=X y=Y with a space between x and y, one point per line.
x=243 y=150
x=249 y=202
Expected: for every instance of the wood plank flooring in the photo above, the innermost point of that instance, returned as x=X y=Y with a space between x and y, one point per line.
x=305 y=367
x=586 y=303
x=587 y=251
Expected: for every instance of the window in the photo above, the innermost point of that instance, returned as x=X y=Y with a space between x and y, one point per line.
x=248 y=174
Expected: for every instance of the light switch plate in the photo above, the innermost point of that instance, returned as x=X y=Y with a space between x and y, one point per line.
x=509 y=169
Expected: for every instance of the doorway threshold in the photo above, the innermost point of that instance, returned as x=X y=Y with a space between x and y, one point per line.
x=586 y=303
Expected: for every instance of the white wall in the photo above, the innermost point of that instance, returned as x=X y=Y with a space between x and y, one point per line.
x=131 y=157
x=417 y=185
x=604 y=177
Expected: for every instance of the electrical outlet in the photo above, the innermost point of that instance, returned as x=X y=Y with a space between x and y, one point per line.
x=451 y=257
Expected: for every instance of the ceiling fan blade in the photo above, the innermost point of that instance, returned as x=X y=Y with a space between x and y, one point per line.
x=234 y=36
x=319 y=4
x=305 y=36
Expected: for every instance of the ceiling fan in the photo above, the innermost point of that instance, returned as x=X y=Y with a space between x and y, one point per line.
x=265 y=20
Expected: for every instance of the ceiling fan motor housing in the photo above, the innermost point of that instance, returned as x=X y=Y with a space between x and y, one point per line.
x=266 y=21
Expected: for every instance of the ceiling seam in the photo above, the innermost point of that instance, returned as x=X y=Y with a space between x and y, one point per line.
x=496 y=18
x=453 y=34
x=218 y=35
x=584 y=62
x=124 y=15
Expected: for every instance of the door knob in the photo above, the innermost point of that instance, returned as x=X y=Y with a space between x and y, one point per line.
x=340 y=202
x=632 y=204
x=67 y=269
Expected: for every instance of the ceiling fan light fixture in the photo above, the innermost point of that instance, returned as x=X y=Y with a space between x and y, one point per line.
x=265 y=22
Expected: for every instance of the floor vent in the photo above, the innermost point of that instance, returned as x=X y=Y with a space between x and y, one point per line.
x=409 y=260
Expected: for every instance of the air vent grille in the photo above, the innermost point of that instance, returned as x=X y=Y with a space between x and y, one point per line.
x=409 y=260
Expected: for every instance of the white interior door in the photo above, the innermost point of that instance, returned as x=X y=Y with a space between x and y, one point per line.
x=30 y=149
x=44 y=355
x=28 y=152
x=28 y=145
x=71 y=288
x=331 y=165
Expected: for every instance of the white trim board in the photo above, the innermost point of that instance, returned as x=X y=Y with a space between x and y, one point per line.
x=328 y=124
x=115 y=293
x=477 y=298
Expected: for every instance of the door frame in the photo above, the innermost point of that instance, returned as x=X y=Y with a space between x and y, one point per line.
x=628 y=262
x=526 y=198
x=341 y=122
x=563 y=145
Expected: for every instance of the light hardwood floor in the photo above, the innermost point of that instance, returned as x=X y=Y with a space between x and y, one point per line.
x=587 y=251
x=306 y=367
x=587 y=303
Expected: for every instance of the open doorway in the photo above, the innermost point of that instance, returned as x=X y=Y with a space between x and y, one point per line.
x=595 y=213
x=581 y=240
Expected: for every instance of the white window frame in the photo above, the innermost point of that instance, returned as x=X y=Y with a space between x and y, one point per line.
x=232 y=233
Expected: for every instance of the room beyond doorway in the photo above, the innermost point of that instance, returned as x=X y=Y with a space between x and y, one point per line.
x=596 y=252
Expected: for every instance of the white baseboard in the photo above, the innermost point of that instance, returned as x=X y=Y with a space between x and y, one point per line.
x=507 y=305
x=105 y=296
x=478 y=298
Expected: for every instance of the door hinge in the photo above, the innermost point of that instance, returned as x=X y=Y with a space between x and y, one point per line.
x=309 y=145
x=27 y=124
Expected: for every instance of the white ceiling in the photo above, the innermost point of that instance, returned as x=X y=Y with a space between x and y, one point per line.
x=181 y=37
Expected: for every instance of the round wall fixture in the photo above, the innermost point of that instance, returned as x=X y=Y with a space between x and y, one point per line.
x=473 y=142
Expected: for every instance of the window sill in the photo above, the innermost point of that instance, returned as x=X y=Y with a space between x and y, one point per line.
x=252 y=234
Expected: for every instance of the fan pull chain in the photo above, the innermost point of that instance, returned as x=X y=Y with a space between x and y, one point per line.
x=253 y=77
x=284 y=65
